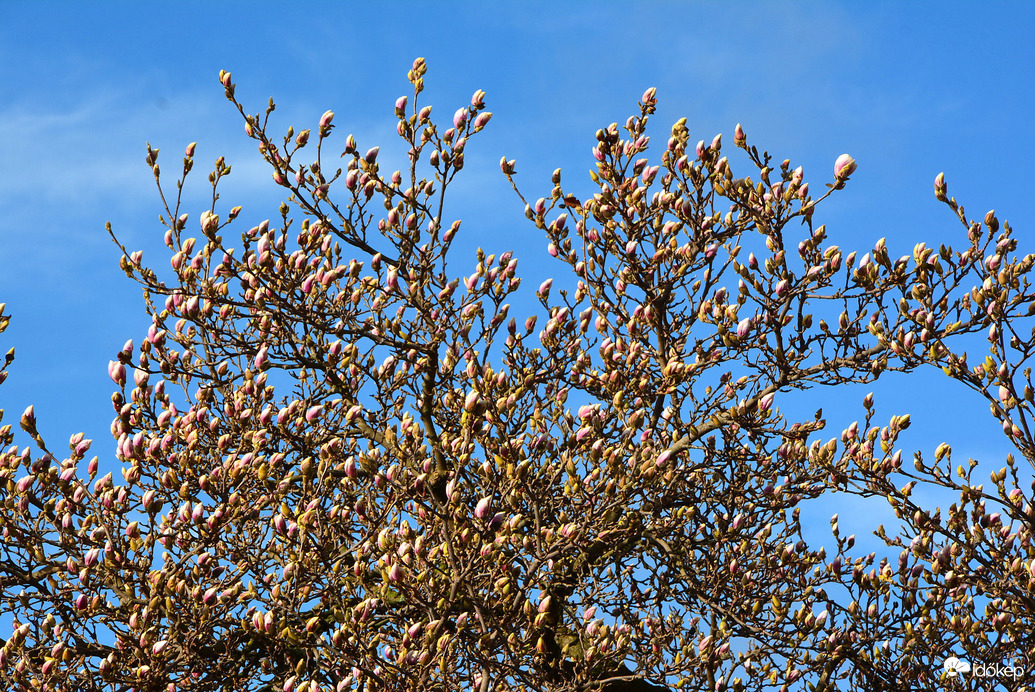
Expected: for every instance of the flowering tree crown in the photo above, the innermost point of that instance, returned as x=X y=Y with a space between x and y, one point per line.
x=345 y=465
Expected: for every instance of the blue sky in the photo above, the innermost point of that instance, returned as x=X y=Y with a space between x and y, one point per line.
x=909 y=89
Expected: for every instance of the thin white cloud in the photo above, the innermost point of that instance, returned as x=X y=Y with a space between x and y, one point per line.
x=68 y=168
x=92 y=151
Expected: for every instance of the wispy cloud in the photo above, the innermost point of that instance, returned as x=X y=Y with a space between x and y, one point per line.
x=92 y=151
x=71 y=166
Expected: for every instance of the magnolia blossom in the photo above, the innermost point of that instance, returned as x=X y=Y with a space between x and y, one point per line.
x=743 y=327
x=844 y=167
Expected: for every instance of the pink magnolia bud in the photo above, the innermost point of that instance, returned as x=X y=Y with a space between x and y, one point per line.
x=544 y=288
x=844 y=167
x=189 y=151
x=353 y=413
x=140 y=377
x=481 y=121
x=744 y=327
x=29 y=418
x=395 y=575
x=313 y=413
x=25 y=483
x=650 y=96
x=738 y=135
x=481 y=510
x=371 y=154
x=117 y=372
x=326 y=118
x=478 y=99
x=350 y=468
x=261 y=358
x=766 y=402
x=507 y=166
x=400 y=105
x=459 y=118
x=224 y=78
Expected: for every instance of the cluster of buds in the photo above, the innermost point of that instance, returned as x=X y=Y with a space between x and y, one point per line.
x=224 y=79
x=940 y=188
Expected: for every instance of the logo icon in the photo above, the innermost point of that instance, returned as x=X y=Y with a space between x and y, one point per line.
x=956 y=666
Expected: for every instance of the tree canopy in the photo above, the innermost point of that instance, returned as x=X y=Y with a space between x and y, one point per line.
x=353 y=459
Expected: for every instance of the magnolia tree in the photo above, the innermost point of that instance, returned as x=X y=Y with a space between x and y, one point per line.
x=348 y=464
